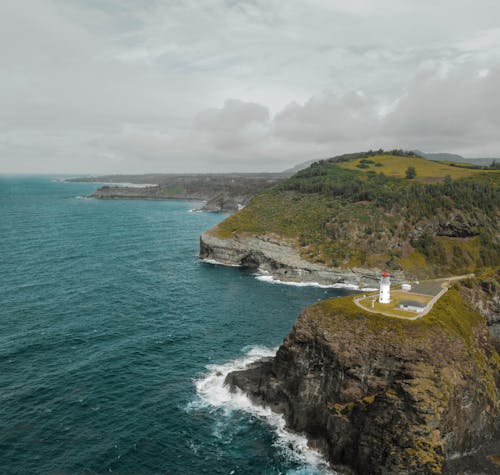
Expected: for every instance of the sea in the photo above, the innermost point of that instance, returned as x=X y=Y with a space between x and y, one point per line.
x=115 y=340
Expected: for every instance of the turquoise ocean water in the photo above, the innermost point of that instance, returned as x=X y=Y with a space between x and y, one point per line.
x=115 y=339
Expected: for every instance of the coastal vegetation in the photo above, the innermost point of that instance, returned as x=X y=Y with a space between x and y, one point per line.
x=360 y=210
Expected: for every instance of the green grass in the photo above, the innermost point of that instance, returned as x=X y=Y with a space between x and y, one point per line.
x=172 y=190
x=392 y=308
x=427 y=170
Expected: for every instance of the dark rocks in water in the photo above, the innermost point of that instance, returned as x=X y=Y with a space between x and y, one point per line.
x=387 y=396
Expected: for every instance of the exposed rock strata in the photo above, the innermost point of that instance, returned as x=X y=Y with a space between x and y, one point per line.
x=385 y=396
x=484 y=294
x=281 y=260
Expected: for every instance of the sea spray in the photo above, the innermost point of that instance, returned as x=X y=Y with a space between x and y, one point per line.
x=213 y=393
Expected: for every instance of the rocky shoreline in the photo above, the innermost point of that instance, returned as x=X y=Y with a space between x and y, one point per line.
x=380 y=396
x=376 y=395
x=282 y=261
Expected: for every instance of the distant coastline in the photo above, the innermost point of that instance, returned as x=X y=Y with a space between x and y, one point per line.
x=227 y=192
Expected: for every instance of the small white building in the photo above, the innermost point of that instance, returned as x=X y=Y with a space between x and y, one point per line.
x=385 y=288
x=406 y=287
x=412 y=306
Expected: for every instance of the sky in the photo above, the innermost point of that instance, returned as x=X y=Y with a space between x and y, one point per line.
x=140 y=86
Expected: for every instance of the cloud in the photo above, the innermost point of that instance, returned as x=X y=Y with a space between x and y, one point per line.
x=95 y=86
x=236 y=124
x=327 y=118
x=461 y=109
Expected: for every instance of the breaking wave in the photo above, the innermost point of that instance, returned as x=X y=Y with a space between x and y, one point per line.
x=218 y=263
x=212 y=393
x=272 y=280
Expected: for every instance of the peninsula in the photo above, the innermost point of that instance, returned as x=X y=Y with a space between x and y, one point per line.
x=227 y=192
x=380 y=390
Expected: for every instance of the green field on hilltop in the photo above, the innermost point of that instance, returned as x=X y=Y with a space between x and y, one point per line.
x=443 y=221
x=426 y=170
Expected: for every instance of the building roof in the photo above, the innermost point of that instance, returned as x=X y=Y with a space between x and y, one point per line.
x=386 y=274
x=412 y=303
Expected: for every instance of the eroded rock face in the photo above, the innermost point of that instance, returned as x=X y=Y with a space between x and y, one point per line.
x=484 y=294
x=380 y=395
x=282 y=261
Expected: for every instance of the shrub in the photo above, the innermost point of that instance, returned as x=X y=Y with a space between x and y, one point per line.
x=410 y=173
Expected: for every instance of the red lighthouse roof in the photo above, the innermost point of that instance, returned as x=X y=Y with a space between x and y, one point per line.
x=386 y=274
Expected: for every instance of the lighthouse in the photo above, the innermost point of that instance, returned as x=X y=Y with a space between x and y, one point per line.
x=385 y=288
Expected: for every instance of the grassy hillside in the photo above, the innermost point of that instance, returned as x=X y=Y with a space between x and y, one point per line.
x=361 y=210
x=426 y=170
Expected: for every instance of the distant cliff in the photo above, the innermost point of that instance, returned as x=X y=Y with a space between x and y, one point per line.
x=386 y=396
x=221 y=192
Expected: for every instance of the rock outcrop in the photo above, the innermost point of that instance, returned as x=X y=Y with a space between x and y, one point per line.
x=282 y=261
x=484 y=294
x=386 y=396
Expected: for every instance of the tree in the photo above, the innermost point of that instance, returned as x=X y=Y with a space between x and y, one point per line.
x=410 y=173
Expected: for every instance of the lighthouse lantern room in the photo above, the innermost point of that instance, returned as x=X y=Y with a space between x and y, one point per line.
x=385 y=288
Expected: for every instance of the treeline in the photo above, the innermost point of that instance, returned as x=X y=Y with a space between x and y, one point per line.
x=418 y=199
x=372 y=153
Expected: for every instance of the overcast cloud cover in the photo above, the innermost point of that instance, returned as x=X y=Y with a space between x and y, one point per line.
x=98 y=86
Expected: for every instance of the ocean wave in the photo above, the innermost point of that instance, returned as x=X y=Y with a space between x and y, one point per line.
x=123 y=183
x=218 y=263
x=211 y=392
x=272 y=280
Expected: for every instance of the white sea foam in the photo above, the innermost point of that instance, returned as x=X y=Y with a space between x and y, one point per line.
x=212 y=392
x=218 y=263
x=272 y=280
x=128 y=185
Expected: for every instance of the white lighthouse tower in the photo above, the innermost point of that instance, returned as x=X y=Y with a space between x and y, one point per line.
x=385 y=288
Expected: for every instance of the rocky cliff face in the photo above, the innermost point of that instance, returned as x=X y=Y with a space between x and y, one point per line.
x=484 y=294
x=281 y=260
x=382 y=395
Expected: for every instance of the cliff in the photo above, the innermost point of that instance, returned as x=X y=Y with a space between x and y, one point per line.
x=359 y=213
x=483 y=292
x=386 y=396
x=279 y=258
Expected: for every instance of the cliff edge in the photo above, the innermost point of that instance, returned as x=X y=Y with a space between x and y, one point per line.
x=279 y=258
x=384 y=396
x=360 y=213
